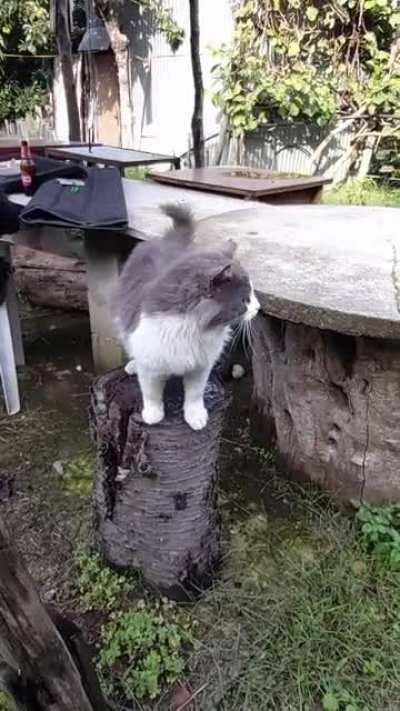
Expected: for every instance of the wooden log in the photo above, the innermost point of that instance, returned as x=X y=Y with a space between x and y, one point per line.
x=155 y=496
x=330 y=402
x=51 y=280
x=37 y=668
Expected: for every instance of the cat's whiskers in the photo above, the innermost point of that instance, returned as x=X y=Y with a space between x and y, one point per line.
x=235 y=334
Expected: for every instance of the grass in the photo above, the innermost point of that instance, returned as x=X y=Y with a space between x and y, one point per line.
x=138 y=173
x=307 y=617
x=363 y=192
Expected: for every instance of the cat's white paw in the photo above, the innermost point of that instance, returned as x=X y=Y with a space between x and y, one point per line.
x=152 y=414
x=196 y=416
x=130 y=367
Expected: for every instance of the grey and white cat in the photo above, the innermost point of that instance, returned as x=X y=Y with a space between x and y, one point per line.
x=177 y=305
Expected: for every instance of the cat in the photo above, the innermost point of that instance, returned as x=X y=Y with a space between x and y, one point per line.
x=177 y=304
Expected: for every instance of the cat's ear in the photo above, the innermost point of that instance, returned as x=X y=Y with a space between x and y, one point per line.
x=229 y=248
x=222 y=275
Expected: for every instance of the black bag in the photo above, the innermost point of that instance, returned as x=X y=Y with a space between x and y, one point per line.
x=9 y=216
x=98 y=204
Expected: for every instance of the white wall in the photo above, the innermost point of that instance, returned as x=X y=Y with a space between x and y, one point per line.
x=162 y=81
x=162 y=84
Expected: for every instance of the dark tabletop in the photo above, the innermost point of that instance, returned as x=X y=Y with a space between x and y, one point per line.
x=111 y=155
x=234 y=180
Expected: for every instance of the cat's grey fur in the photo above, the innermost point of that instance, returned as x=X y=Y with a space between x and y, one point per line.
x=174 y=295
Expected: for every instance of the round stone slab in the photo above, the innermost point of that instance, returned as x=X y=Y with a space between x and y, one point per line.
x=331 y=267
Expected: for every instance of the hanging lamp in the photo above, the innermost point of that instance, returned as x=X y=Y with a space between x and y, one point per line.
x=96 y=37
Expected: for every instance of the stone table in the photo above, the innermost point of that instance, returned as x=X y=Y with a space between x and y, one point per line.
x=326 y=351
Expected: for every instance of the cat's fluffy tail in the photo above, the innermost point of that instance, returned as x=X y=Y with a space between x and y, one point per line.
x=183 y=223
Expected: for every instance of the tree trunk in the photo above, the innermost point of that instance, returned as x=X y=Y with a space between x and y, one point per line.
x=197 y=119
x=155 y=495
x=366 y=156
x=119 y=45
x=330 y=403
x=63 y=40
x=37 y=668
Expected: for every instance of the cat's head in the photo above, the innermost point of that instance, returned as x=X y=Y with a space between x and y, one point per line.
x=231 y=292
x=211 y=284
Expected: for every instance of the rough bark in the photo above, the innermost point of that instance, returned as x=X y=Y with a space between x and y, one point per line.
x=50 y=280
x=63 y=39
x=119 y=45
x=197 y=118
x=330 y=402
x=37 y=668
x=155 y=495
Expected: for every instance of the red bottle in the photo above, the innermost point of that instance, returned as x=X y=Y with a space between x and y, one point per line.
x=27 y=169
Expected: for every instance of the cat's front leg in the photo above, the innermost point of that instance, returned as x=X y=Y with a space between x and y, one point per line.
x=194 y=411
x=152 y=387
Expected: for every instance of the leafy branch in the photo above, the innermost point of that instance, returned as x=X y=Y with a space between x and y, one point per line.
x=297 y=61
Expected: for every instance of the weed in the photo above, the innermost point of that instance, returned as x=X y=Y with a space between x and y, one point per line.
x=364 y=191
x=78 y=476
x=380 y=533
x=141 y=651
x=5 y=702
x=99 y=587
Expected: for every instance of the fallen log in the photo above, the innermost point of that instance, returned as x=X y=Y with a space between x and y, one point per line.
x=50 y=280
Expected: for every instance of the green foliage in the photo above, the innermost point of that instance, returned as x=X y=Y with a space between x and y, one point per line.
x=140 y=652
x=380 y=533
x=291 y=61
x=24 y=25
x=24 y=30
x=164 y=22
x=363 y=192
x=16 y=100
x=99 y=587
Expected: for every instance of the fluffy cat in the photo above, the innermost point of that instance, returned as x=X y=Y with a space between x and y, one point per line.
x=177 y=304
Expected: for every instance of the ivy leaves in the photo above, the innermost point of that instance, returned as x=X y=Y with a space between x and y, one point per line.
x=290 y=60
x=312 y=13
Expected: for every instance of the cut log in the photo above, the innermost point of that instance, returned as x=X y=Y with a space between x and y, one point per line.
x=155 y=495
x=330 y=402
x=37 y=668
x=50 y=280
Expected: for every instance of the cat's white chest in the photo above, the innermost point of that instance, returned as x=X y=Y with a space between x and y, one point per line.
x=175 y=344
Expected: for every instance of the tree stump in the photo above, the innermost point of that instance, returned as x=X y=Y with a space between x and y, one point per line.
x=330 y=402
x=155 y=496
